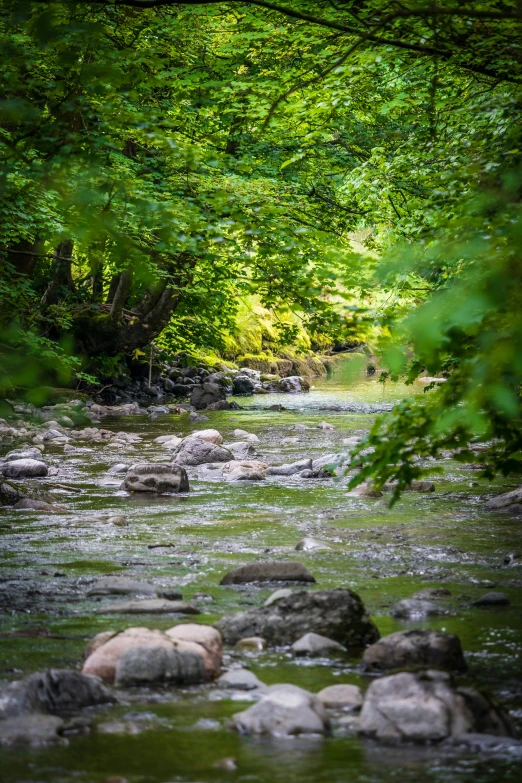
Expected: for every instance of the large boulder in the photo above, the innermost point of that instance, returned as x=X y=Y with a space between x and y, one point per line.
x=177 y=665
x=197 y=451
x=293 y=384
x=151 y=477
x=291 y=571
x=207 y=637
x=426 y=707
x=25 y=468
x=416 y=648
x=206 y=394
x=53 y=691
x=337 y=614
x=242 y=386
x=285 y=710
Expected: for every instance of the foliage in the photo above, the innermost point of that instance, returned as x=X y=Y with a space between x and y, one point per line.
x=351 y=168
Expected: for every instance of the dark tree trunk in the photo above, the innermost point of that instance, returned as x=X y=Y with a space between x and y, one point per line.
x=61 y=275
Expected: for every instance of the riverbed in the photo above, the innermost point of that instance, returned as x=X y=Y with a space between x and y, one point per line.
x=441 y=539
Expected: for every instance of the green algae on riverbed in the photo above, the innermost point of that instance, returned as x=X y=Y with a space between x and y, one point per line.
x=427 y=540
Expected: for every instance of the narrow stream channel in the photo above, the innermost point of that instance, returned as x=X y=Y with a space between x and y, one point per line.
x=441 y=539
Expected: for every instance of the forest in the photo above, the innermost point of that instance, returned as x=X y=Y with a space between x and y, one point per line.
x=297 y=222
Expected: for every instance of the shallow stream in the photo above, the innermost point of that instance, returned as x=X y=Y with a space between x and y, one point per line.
x=441 y=539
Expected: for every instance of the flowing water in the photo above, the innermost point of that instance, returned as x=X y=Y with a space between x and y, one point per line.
x=166 y=735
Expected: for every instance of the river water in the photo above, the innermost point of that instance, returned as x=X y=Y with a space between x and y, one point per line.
x=442 y=539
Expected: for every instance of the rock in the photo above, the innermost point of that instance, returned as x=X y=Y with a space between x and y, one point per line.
x=165 y=438
x=324 y=425
x=25 y=468
x=425 y=707
x=151 y=477
x=243 y=474
x=52 y=691
x=223 y=405
x=315 y=644
x=206 y=394
x=256 y=643
x=365 y=490
x=244 y=435
x=290 y=441
x=311 y=545
x=120 y=467
x=416 y=648
x=196 y=451
x=242 y=387
x=207 y=637
x=290 y=469
x=433 y=593
x=117 y=519
x=352 y=441
x=39 y=505
x=149 y=606
x=28 y=453
x=348 y=697
x=291 y=571
x=97 y=641
x=240 y=680
x=337 y=614
x=283 y=593
x=122 y=585
x=105 y=659
x=504 y=501
x=417 y=485
x=10 y=493
x=285 y=710
x=241 y=450
x=417 y=609
x=212 y=436
x=172 y=444
x=492 y=599
x=293 y=384
x=179 y=665
x=31 y=731
x=52 y=434
x=228 y=764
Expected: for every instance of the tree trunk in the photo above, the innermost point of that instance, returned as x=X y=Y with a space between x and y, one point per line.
x=61 y=274
x=121 y=294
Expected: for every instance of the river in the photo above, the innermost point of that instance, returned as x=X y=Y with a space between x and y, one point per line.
x=441 y=539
